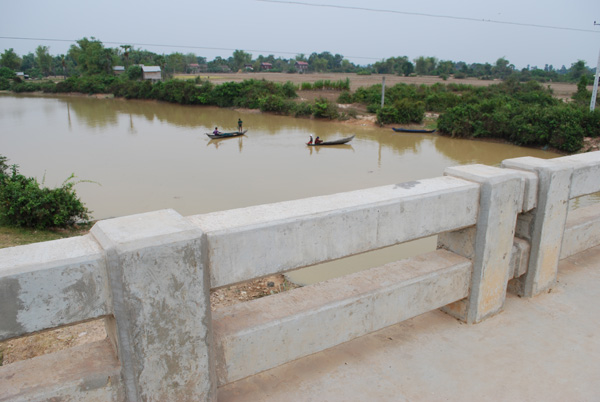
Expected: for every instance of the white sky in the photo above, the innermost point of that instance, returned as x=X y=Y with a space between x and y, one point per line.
x=287 y=28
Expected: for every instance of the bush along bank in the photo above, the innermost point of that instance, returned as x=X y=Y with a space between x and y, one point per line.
x=521 y=113
x=24 y=203
x=253 y=94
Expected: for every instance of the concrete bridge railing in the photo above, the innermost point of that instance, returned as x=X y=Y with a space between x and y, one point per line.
x=150 y=275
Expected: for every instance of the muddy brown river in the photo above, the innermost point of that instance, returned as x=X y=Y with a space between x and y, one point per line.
x=144 y=156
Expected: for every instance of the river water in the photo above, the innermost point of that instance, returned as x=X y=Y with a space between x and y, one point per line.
x=144 y=156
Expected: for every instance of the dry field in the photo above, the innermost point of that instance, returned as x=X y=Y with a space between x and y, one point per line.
x=561 y=90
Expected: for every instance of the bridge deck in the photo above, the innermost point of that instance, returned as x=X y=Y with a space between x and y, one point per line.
x=545 y=348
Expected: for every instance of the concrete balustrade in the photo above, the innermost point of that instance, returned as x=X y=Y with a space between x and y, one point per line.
x=257 y=241
x=150 y=275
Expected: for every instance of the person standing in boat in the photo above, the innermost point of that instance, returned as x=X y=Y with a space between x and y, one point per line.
x=239 y=125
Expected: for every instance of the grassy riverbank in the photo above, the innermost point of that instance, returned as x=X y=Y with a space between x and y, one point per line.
x=11 y=236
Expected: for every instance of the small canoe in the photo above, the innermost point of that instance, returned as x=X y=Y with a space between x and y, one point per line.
x=409 y=130
x=336 y=142
x=226 y=135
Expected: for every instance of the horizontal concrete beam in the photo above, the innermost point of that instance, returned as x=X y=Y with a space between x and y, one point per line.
x=586 y=172
x=258 y=241
x=258 y=335
x=49 y=284
x=88 y=372
x=582 y=230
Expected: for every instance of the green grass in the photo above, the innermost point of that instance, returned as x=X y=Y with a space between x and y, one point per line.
x=11 y=236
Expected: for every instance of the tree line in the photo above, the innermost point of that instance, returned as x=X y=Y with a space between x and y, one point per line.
x=90 y=56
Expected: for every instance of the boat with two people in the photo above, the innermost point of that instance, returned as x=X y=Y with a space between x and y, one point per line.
x=318 y=141
x=411 y=130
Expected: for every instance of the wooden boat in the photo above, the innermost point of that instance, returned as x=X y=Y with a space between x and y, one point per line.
x=409 y=130
x=226 y=135
x=336 y=142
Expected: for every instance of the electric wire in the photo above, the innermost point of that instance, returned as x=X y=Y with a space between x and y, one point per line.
x=426 y=15
x=176 y=46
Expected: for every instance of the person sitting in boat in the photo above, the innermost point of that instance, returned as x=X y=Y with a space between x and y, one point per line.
x=318 y=141
x=310 y=141
x=216 y=132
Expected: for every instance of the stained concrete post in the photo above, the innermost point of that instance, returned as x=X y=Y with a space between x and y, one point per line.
x=160 y=297
x=544 y=226
x=489 y=243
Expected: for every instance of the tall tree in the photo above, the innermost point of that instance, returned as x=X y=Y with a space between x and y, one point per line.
x=577 y=70
x=10 y=60
x=91 y=56
x=175 y=63
x=126 y=51
x=240 y=58
x=43 y=60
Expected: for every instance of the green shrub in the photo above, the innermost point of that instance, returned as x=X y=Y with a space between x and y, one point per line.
x=303 y=109
x=306 y=86
x=6 y=72
x=4 y=84
x=387 y=115
x=135 y=73
x=23 y=203
x=276 y=104
x=345 y=98
x=20 y=87
x=591 y=123
x=402 y=111
x=289 y=90
x=458 y=121
x=325 y=109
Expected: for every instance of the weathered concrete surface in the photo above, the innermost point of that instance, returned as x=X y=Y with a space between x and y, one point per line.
x=257 y=241
x=264 y=333
x=160 y=296
x=544 y=348
x=545 y=224
x=490 y=243
x=586 y=172
x=49 y=284
x=582 y=230
x=88 y=373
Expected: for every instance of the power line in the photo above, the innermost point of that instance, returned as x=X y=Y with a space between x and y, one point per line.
x=177 y=46
x=376 y=10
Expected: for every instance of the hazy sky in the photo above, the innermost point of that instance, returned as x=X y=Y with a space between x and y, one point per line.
x=462 y=30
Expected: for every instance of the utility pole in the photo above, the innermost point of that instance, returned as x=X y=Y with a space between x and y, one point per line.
x=382 y=90
x=595 y=90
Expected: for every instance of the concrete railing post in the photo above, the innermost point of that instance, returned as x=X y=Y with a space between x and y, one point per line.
x=544 y=226
x=489 y=243
x=160 y=296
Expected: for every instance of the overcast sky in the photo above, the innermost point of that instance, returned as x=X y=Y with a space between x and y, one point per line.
x=474 y=31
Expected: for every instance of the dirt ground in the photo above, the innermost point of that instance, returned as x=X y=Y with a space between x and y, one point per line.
x=561 y=90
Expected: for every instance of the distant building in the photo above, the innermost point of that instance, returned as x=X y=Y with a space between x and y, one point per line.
x=248 y=67
x=118 y=70
x=152 y=73
x=194 y=68
x=22 y=75
x=266 y=66
x=301 y=66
